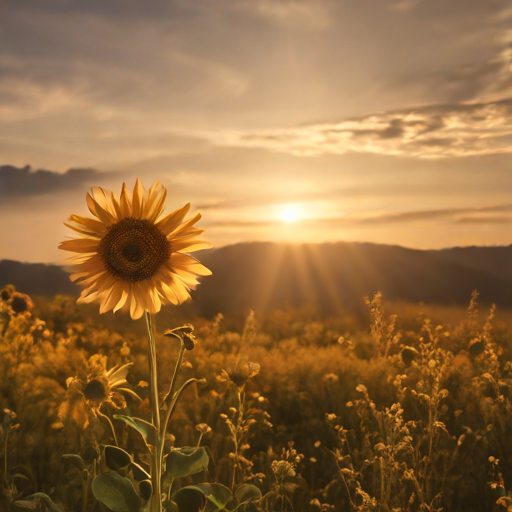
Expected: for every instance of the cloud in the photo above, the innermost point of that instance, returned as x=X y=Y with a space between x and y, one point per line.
x=453 y=130
x=20 y=182
x=477 y=214
x=484 y=215
x=485 y=220
x=305 y=15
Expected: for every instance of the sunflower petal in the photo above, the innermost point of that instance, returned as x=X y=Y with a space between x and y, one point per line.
x=138 y=200
x=191 y=246
x=113 y=298
x=136 y=309
x=188 y=263
x=186 y=225
x=86 y=299
x=122 y=301
x=96 y=226
x=119 y=375
x=79 y=245
x=98 y=211
x=101 y=197
x=156 y=202
x=125 y=201
x=117 y=207
x=168 y=224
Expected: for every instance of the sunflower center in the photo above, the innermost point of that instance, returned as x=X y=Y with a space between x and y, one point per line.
x=95 y=390
x=132 y=252
x=134 y=249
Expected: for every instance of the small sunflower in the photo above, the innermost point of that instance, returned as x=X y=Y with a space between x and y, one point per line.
x=131 y=258
x=102 y=386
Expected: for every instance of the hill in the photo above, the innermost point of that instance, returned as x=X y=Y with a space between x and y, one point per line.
x=264 y=276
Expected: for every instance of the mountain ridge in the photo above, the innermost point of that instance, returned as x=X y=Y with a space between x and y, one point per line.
x=267 y=275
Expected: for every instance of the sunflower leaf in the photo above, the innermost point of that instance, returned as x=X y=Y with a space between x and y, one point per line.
x=145 y=429
x=36 y=501
x=116 y=492
x=247 y=492
x=116 y=458
x=194 y=497
x=186 y=461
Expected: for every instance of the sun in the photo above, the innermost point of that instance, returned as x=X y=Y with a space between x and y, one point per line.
x=290 y=213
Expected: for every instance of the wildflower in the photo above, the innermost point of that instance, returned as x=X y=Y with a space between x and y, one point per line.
x=409 y=354
x=20 y=303
x=101 y=387
x=203 y=428
x=283 y=469
x=130 y=259
x=5 y=293
x=240 y=374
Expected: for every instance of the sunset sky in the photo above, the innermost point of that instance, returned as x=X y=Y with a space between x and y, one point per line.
x=386 y=121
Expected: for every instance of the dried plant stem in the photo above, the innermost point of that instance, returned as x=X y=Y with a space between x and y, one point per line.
x=5 y=454
x=156 y=451
x=110 y=423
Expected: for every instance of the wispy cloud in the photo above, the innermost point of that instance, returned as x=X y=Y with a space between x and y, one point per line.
x=437 y=131
x=484 y=215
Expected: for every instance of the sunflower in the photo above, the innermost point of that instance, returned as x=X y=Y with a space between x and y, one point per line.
x=131 y=258
x=84 y=397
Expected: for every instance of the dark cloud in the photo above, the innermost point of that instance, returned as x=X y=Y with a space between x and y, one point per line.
x=485 y=220
x=20 y=182
x=436 y=131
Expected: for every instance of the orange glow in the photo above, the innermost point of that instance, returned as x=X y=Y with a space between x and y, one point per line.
x=290 y=213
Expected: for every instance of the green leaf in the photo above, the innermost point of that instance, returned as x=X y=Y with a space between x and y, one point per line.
x=147 y=430
x=186 y=461
x=246 y=492
x=193 y=497
x=170 y=506
x=145 y=490
x=74 y=460
x=139 y=473
x=116 y=458
x=33 y=501
x=116 y=493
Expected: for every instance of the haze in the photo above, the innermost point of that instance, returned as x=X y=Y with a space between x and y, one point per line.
x=386 y=121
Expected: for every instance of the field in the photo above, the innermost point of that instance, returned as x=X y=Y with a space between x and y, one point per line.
x=405 y=409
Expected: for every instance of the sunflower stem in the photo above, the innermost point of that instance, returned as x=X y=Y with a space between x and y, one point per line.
x=110 y=423
x=156 y=451
x=168 y=396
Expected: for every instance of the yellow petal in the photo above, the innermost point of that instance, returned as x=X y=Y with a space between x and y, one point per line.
x=94 y=225
x=188 y=263
x=136 y=309
x=101 y=197
x=83 y=231
x=86 y=299
x=186 y=225
x=102 y=214
x=113 y=298
x=125 y=202
x=79 y=245
x=156 y=202
x=117 y=207
x=173 y=220
x=122 y=301
x=138 y=200
x=191 y=246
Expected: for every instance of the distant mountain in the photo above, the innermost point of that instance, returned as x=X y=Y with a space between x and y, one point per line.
x=36 y=278
x=496 y=260
x=264 y=276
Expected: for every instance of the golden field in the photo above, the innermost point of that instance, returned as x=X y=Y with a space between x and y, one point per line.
x=406 y=409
